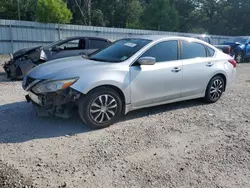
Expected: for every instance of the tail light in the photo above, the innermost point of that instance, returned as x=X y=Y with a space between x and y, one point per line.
x=233 y=62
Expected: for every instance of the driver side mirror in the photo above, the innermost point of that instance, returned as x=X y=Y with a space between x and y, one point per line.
x=146 y=61
x=57 y=48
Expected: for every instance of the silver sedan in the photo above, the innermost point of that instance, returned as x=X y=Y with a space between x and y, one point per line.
x=130 y=74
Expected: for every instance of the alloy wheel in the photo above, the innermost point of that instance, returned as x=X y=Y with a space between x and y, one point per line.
x=216 y=89
x=103 y=109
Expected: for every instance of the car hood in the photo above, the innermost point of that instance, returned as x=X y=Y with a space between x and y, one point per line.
x=65 y=68
x=24 y=51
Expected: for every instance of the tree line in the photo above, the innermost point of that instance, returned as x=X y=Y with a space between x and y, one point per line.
x=220 y=17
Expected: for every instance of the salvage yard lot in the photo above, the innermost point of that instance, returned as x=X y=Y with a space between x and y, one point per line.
x=186 y=144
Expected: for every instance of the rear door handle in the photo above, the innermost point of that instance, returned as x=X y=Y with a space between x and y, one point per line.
x=210 y=64
x=176 y=69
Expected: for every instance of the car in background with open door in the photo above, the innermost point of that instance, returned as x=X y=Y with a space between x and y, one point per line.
x=25 y=59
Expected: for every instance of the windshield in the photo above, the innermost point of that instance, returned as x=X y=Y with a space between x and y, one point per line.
x=238 y=39
x=120 y=50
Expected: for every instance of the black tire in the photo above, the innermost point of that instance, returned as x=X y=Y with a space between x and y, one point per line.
x=88 y=102
x=215 y=89
x=239 y=57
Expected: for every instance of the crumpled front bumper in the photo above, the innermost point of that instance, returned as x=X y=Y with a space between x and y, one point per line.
x=9 y=68
x=17 y=69
x=60 y=103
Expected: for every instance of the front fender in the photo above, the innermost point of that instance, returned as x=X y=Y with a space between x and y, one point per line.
x=94 y=79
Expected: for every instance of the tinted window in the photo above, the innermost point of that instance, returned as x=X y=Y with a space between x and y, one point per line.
x=73 y=45
x=210 y=52
x=164 y=51
x=97 y=44
x=192 y=50
x=120 y=50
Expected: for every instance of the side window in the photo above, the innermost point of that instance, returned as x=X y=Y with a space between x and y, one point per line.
x=192 y=50
x=73 y=45
x=210 y=52
x=97 y=44
x=163 y=51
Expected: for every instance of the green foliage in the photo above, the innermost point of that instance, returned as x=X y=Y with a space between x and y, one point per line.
x=221 y=17
x=160 y=15
x=53 y=11
x=134 y=13
x=9 y=9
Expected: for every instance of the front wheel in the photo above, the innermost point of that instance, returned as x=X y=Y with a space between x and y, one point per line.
x=214 y=90
x=100 y=108
x=239 y=57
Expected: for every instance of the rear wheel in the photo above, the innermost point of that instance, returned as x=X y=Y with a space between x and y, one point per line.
x=215 y=89
x=100 y=108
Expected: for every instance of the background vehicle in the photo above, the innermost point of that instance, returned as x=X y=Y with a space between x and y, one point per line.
x=224 y=48
x=240 y=48
x=25 y=59
x=130 y=74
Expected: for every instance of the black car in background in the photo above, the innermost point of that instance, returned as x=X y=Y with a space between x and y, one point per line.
x=25 y=59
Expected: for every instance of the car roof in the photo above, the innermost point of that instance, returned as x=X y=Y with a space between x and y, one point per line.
x=83 y=37
x=162 y=37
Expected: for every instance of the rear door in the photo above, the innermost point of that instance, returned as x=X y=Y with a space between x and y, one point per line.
x=198 y=67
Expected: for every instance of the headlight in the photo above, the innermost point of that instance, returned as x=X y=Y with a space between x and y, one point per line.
x=54 y=85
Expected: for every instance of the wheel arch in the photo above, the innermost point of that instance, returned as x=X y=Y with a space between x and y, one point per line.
x=223 y=76
x=115 y=88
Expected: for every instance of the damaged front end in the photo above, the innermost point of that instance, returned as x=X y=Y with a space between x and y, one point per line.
x=20 y=63
x=16 y=69
x=9 y=67
x=59 y=103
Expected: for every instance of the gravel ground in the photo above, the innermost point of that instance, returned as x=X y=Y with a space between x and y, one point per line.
x=187 y=144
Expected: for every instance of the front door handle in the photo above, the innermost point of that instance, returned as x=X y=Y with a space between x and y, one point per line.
x=176 y=69
x=210 y=64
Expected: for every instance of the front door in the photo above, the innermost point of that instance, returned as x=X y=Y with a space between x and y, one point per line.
x=70 y=48
x=159 y=82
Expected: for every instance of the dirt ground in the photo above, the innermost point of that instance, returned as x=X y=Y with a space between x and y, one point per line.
x=187 y=144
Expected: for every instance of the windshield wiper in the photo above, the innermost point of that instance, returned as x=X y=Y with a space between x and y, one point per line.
x=104 y=60
x=96 y=59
